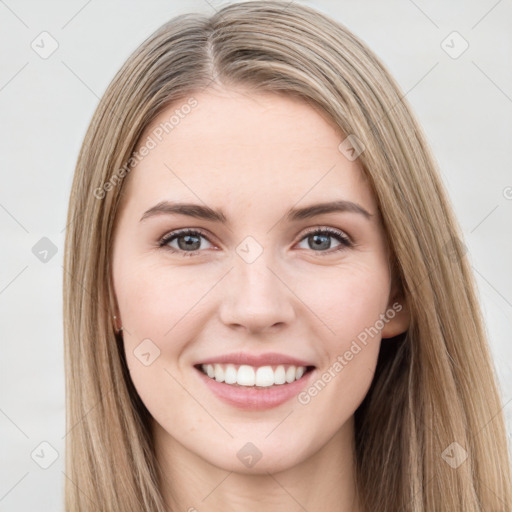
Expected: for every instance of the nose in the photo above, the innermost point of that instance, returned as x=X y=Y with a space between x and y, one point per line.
x=256 y=297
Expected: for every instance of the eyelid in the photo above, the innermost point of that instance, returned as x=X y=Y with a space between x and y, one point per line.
x=336 y=231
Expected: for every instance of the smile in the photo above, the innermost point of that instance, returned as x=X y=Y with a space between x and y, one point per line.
x=250 y=376
x=260 y=387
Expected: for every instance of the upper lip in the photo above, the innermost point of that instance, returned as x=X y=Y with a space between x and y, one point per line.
x=256 y=360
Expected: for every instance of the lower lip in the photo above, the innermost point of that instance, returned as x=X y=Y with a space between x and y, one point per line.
x=254 y=399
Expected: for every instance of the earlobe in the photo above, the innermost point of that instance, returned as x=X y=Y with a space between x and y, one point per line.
x=116 y=317
x=397 y=313
x=117 y=324
x=398 y=316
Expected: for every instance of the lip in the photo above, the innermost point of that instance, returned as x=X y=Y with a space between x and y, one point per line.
x=256 y=360
x=256 y=399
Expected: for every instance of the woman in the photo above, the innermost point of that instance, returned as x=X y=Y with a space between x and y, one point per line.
x=315 y=341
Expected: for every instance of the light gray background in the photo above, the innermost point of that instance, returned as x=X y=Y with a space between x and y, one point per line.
x=464 y=105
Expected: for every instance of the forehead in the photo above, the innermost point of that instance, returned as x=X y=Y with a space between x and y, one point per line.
x=245 y=147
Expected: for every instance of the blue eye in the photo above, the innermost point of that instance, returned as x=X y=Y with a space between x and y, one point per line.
x=189 y=241
x=320 y=240
x=190 y=238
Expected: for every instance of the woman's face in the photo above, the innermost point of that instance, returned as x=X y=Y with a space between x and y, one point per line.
x=258 y=275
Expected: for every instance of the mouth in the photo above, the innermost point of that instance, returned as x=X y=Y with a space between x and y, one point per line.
x=253 y=389
x=262 y=377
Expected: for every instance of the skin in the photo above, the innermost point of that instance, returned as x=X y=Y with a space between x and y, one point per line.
x=254 y=156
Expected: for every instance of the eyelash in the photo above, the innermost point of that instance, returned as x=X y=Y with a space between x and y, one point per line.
x=344 y=240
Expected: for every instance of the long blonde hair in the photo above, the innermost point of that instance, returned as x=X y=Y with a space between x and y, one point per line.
x=434 y=395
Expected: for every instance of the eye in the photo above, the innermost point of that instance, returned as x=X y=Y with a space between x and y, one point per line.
x=318 y=239
x=189 y=241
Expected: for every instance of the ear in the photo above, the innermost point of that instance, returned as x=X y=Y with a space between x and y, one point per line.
x=398 y=314
x=118 y=325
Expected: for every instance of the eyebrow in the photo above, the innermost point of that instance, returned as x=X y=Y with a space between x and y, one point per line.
x=204 y=212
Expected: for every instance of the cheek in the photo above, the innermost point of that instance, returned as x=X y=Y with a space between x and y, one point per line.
x=347 y=300
x=159 y=309
x=350 y=305
x=357 y=304
x=350 y=342
x=156 y=301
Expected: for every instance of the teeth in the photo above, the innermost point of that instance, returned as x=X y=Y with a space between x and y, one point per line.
x=210 y=371
x=245 y=375
x=219 y=373
x=230 y=374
